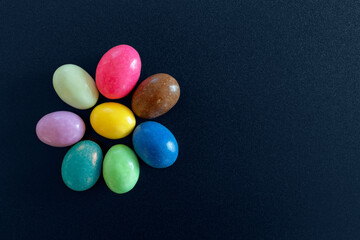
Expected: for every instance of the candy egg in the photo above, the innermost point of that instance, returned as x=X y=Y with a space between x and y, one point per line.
x=81 y=166
x=155 y=144
x=75 y=86
x=155 y=96
x=121 y=169
x=112 y=120
x=60 y=129
x=118 y=71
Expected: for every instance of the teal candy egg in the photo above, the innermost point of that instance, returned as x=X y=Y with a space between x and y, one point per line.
x=81 y=166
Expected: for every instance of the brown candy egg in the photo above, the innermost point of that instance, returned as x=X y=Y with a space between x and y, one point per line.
x=155 y=96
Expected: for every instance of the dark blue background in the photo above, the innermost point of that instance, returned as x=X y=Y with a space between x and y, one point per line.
x=268 y=121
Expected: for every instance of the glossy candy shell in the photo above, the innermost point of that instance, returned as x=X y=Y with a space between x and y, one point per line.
x=75 y=86
x=112 y=120
x=121 y=169
x=81 y=166
x=155 y=96
x=118 y=71
x=155 y=144
x=60 y=129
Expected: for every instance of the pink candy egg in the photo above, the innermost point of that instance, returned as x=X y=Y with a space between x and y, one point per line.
x=60 y=129
x=118 y=71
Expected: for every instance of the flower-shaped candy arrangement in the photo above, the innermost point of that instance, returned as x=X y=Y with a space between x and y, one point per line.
x=116 y=75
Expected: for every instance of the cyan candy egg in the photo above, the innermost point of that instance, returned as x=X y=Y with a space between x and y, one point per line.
x=60 y=129
x=75 y=86
x=155 y=144
x=121 y=169
x=81 y=166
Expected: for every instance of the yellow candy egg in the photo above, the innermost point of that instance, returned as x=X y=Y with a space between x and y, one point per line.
x=112 y=120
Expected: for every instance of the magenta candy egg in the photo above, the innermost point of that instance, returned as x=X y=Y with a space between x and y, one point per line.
x=60 y=129
x=118 y=71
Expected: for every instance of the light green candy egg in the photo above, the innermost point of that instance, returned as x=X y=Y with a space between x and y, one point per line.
x=121 y=169
x=75 y=86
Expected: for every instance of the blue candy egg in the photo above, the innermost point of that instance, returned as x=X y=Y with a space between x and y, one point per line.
x=81 y=166
x=155 y=144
